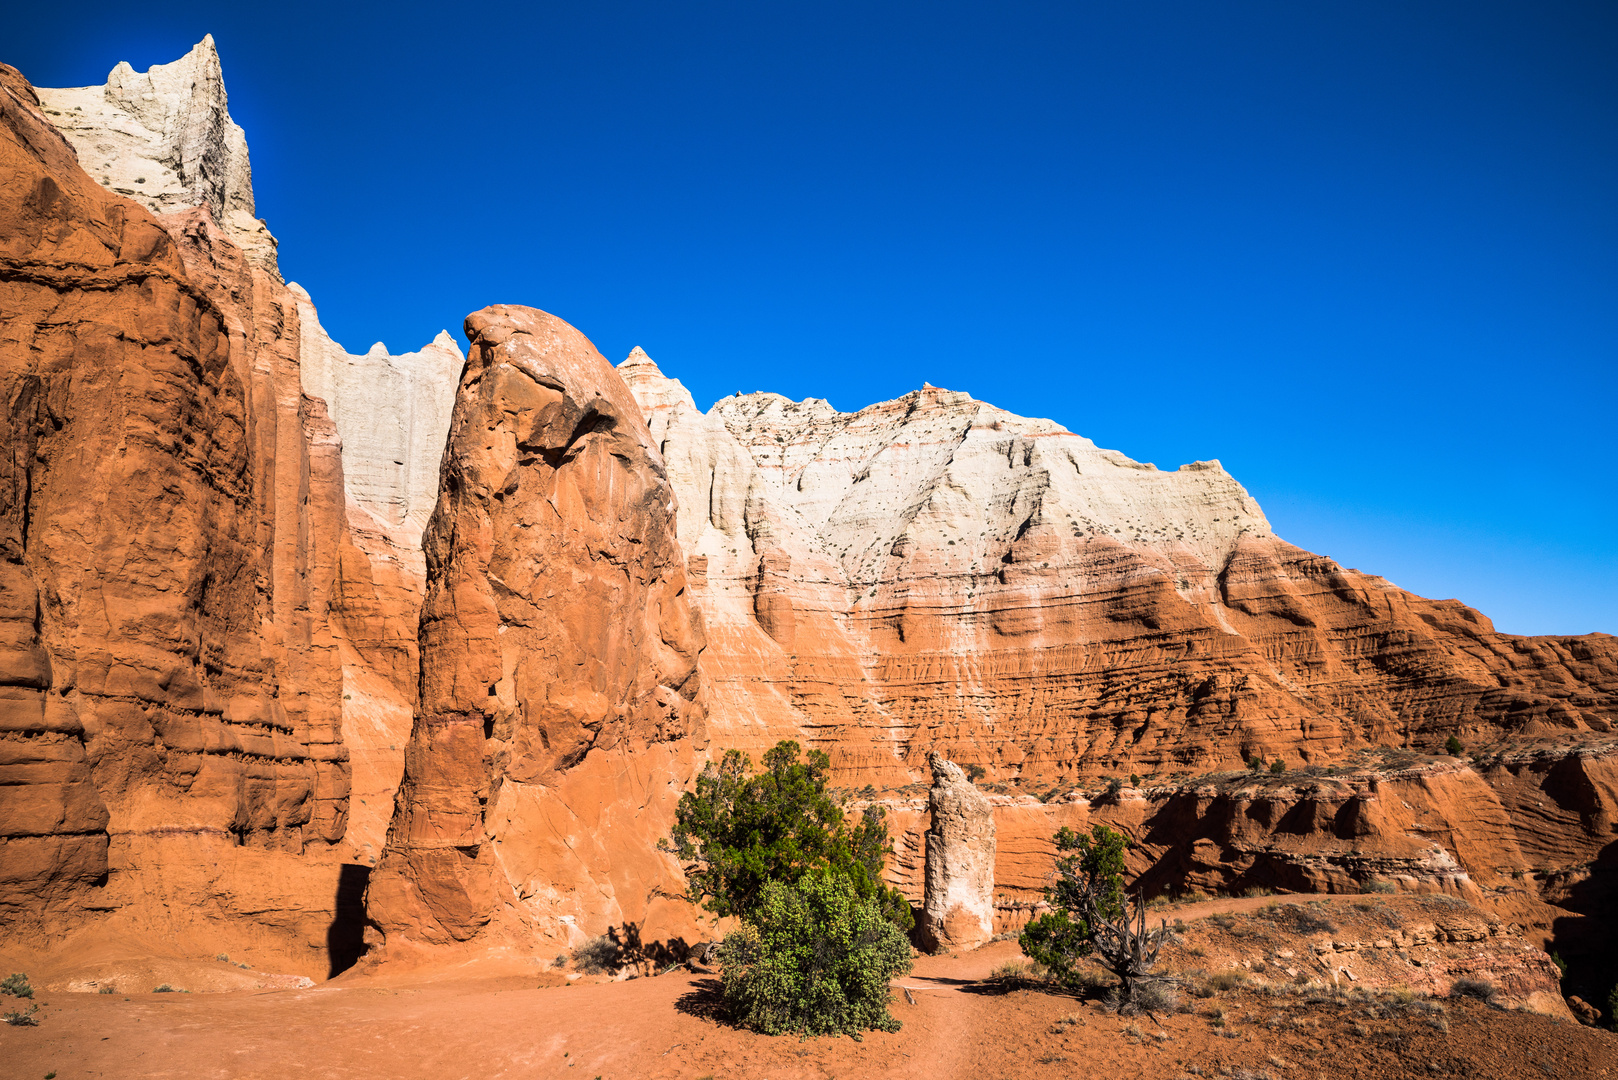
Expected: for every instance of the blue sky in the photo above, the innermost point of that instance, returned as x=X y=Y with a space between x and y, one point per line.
x=1366 y=254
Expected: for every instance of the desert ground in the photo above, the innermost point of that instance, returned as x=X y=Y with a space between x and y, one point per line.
x=960 y=1020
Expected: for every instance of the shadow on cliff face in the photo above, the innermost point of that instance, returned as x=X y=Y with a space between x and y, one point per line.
x=1587 y=941
x=345 y=938
x=658 y=954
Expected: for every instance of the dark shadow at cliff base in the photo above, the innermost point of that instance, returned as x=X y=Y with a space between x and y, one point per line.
x=1588 y=941
x=345 y=938
x=661 y=954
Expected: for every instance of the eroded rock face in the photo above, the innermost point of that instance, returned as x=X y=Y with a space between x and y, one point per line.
x=936 y=573
x=957 y=910
x=200 y=638
x=172 y=508
x=165 y=139
x=393 y=413
x=560 y=712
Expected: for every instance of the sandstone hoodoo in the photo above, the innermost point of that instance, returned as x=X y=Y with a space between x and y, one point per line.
x=958 y=911
x=561 y=713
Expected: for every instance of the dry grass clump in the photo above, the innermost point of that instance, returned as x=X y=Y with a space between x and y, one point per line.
x=1480 y=989
x=597 y=956
x=1015 y=974
x=1151 y=997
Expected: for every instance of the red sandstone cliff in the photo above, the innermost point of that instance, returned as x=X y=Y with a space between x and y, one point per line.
x=560 y=714
x=180 y=589
x=208 y=630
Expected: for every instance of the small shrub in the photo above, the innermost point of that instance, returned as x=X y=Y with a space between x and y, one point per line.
x=107 y=990
x=1158 y=996
x=975 y=773
x=1226 y=980
x=1454 y=747
x=167 y=989
x=560 y=961
x=596 y=956
x=1256 y=764
x=222 y=957
x=1612 y=1008
x=18 y=1018
x=16 y=985
x=1277 y=767
x=1376 y=885
x=1481 y=989
x=1134 y=779
x=814 y=958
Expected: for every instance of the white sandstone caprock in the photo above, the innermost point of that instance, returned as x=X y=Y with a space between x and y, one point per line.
x=936 y=519
x=958 y=909
x=393 y=415
x=164 y=137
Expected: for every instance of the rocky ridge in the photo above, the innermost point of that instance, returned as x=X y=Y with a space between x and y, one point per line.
x=935 y=573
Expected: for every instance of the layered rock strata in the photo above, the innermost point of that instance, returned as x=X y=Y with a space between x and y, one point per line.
x=1528 y=831
x=936 y=573
x=957 y=909
x=560 y=714
x=198 y=638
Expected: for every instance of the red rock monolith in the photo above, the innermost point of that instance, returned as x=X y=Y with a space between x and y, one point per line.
x=560 y=709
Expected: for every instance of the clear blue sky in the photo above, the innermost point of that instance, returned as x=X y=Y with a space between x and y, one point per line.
x=1364 y=253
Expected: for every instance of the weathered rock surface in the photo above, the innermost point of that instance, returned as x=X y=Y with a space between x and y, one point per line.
x=393 y=414
x=560 y=714
x=196 y=636
x=936 y=573
x=164 y=138
x=957 y=910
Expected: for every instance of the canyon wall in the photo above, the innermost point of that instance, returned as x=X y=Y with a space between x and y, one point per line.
x=211 y=653
x=214 y=566
x=561 y=713
x=936 y=573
